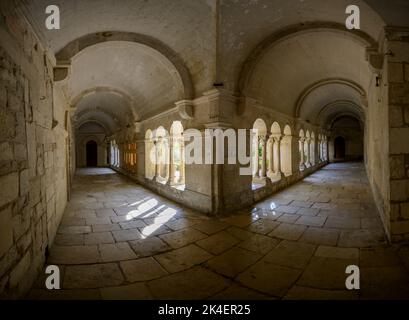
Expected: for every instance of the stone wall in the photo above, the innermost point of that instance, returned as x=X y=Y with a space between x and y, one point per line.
x=398 y=98
x=349 y=129
x=32 y=155
x=81 y=152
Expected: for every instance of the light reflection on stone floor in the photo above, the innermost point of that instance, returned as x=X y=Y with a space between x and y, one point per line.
x=117 y=240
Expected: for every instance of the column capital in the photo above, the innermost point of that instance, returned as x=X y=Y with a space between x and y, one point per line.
x=185 y=109
x=277 y=137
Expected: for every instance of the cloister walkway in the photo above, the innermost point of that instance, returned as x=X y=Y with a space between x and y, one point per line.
x=117 y=240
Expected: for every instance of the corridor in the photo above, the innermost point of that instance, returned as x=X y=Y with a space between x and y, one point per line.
x=118 y=240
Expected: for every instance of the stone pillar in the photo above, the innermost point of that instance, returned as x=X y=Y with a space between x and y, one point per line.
x=257 y=160
x=319 y=150
x=307 y=147
x=171 y=165
x=277 y=156
x=301 y=148
x=155 y=145
x=397 y=76
x=182 y=159
x=263 y=168
x=270 y=149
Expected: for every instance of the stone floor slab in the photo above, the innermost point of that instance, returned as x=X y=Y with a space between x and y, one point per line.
x=92 y=276
x=263 y=226
x=218 y=243
x=288 y=231
x=182 y=237
x=116 y=252
x=98 y=238
x=135 y=291
x=149 y=246
x=74 y=255
x=291 y=254
x=142 y=269
x=233 y=261
x=269 y=278
x=127 y=235
x=196 y=283
x=326 y=273
x=183 y=258
x=259 y=244
x=322 y=236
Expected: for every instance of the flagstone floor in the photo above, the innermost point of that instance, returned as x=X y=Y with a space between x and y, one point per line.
x=117 y=240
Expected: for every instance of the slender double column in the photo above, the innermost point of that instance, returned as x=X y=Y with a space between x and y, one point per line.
x=302 y=155
x=262 y=143
x=277 y=155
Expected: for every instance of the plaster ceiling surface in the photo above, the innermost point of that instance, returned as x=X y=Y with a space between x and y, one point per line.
x=91 y=127
x=245 y=24
x=337 y=109
x=326 y=95
x=105 y=103
x=183 y=25
x=298 y=62
x=141 y=73
x=393 y=12
x=106 y=120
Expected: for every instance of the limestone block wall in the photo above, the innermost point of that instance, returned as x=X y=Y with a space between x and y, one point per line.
x=32 y=156
x=398 y=98
x=376 y=144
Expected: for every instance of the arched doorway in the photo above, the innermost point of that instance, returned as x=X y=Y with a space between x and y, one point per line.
x=339 y=148
x=92 y=153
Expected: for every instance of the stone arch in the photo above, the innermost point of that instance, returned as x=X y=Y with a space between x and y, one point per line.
x=349 y=83
x=161 y=140
x=112 y=90
x=259 y=151
x=262 y=48
x=100 y=123
x=275 y=128
x=65 y=55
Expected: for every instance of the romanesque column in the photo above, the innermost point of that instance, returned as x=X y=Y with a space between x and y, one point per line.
x=307 y=146
x=270 y=146
x=277 y=157
x=171 y=164
x=182 y=161
x=263 y=156
x=301 y=147
x=256 y=157
x=156 y=164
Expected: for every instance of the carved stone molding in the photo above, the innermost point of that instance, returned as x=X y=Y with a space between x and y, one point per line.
x=375 y=59
x=60 y=73
x=185 y=109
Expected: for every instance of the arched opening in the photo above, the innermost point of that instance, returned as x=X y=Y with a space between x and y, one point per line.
x=150 y=155
x=307 y=150
x=339 y=148
x=312 y=149
x=92 y=153
x=114 y=154
x=286 y=165
x=177 y=155
x=259 y=153
x=274 y=147
x=301 y=149
x=161 y=139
